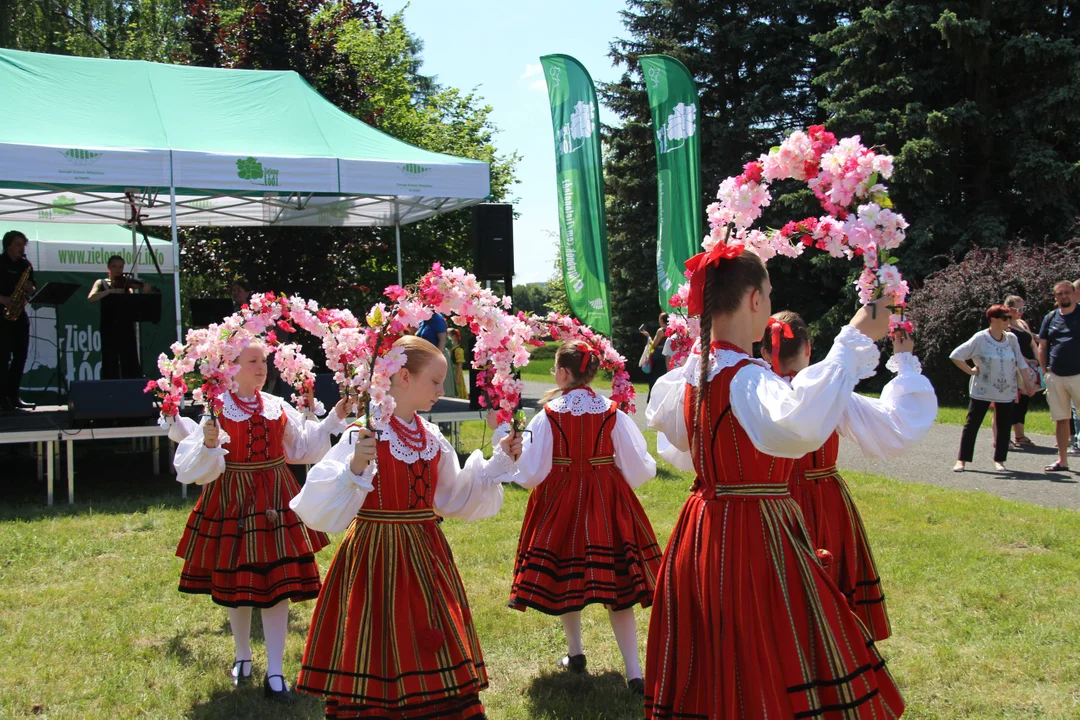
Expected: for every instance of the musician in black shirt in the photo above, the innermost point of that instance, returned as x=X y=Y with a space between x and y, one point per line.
x=14 y=331
x=119 y=343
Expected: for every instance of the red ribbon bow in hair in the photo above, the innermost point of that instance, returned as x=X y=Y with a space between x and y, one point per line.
x=778 y=328
x=587 y=352
x=698 y=264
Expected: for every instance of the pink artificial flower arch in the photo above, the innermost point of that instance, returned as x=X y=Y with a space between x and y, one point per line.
x=568 y=329
x=859 y=222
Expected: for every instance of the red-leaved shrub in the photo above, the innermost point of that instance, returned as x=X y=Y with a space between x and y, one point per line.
x=951 y=304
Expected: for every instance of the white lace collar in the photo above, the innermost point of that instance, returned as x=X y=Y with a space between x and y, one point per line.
x=579 y=402
x=403 y=452
x=718 y=360
x=272 y=408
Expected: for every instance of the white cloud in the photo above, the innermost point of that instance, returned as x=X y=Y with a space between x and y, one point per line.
x=532 y=70
x=534 y=75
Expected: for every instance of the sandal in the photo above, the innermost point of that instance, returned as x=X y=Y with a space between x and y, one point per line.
x=1056 y=467
x=1025 y=441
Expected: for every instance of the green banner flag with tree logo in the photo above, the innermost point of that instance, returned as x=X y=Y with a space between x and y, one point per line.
x=579 y=170
x=673 y=100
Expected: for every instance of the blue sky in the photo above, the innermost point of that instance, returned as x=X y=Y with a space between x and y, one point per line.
x=495 y=47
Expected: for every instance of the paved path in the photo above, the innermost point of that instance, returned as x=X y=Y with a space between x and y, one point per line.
x=931 y=462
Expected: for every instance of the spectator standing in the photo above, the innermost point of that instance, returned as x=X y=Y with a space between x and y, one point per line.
x=1030 y=348
x=654 y=351
x=996 y=360
x=1059 y=359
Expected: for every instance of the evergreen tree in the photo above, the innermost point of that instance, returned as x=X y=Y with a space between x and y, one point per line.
x=979 y=101
x=754 y=62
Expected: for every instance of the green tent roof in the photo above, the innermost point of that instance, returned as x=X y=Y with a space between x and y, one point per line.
x=241 y=147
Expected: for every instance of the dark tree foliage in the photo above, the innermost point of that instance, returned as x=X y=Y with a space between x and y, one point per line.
x=754 y=63
x=951 y=305
x=126 y=29
x=980 y=102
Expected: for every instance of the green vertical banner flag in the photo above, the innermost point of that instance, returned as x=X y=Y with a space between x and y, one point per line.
x=673 y=100
x=579 y=170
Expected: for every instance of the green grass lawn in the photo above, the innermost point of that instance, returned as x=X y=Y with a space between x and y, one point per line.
x=983 y=596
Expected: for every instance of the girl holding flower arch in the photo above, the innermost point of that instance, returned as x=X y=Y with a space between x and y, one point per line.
x=243 y=545
x=883 y=428
x=746 y=622
x=585 y=538
x=392 y=634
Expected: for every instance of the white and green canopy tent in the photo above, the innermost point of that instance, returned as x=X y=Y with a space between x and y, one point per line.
x=93 y=141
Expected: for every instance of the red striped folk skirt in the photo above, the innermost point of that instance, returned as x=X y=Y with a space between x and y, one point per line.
x=236 y=554
x=585 y=539
x=747 y=624
x=392 y=635
x=835 y=525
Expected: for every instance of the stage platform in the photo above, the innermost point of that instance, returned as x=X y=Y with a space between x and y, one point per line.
x=49 y=429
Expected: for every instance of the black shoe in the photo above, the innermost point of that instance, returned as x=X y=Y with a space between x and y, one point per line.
x=573 y=663
x=20 y=405
x=283 y=696
x=636 y=685
x=6 y=407
x=239 y=679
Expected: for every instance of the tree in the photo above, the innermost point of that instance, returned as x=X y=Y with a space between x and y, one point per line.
x=754 y=63
x=979 y=101
x=368 y=66
x=532 y=298
x=126 y=29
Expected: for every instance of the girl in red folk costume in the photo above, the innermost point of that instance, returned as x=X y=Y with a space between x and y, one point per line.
x=746 y=623
x=585 y=538
x=882 y=428
x=392 y=636
x=243 y=546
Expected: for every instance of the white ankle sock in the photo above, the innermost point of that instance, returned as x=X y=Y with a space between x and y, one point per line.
x=625 y=629
x=571 y=623
x=275 y=622
x=240 y=622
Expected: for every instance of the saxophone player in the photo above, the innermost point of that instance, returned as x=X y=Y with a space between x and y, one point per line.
x=16 y=287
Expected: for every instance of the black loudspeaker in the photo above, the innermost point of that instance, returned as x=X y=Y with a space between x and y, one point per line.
x=474 y=390
x=91 y=400
x=493 y=241
x=326 y=391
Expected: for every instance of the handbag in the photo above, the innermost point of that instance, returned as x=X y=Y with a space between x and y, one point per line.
x=645 y=362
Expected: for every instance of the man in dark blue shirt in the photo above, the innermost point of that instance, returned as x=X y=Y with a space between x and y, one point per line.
x=1059 y=358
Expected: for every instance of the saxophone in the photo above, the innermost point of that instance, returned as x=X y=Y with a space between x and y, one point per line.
x=19 y=297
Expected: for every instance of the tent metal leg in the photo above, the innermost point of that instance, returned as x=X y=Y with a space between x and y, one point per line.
x=50 y=469
x=71 y=471
x=176 y=262
x=397 y=239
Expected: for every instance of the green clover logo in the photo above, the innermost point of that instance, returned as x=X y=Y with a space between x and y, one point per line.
x=249 y=169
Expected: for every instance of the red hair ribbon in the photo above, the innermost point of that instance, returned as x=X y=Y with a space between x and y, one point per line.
x=698 y=264
x=587 y=352
x=778 y=328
